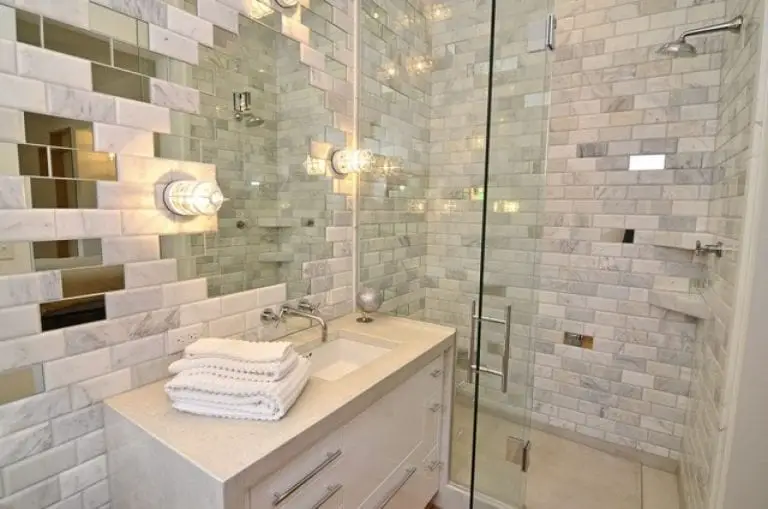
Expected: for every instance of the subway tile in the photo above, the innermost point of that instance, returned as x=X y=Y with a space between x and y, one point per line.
x=25 y=443
x=150 y=273
x=87 y=224
x=151 y=11
x=12 y=125
x=122 y=140
x=73 y=12
x=22 y=93
x=173 y=96
x=185 y=292
x=76 y=368
x=133 y=301
x=82 y=476
x=19 y=321
x=190 y=26
x=169 y=43
x=218 y=14
x=143 y=116
x=137 y=351
x=119 y=250
x=76 y=424
x=34 y=469
x=53 y=67
x=34 y=410
x=81 y=105
x=95 y=390
x=35 y=349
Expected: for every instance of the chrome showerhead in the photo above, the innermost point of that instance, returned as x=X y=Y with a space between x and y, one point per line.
x=681 y=48
x=678 y=49
x=253 y=121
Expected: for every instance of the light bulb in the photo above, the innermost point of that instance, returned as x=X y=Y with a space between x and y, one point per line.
x=193 y=198
x=351 y=161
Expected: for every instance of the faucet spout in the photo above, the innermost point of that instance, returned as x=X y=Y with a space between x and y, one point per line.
x=311 y=315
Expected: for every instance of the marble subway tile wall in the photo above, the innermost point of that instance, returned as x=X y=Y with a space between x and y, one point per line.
x=394 y=124
x=733 y=156
x=151 y=103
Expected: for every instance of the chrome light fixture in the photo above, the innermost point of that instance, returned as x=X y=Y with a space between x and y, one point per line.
x=193 y=198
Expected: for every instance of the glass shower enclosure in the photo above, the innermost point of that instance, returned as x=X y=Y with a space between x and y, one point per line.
x=453 y=103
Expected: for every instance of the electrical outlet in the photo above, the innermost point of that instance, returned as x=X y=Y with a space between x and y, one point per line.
x=6 y=252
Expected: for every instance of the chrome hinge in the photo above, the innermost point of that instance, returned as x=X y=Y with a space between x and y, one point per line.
x=551 y=27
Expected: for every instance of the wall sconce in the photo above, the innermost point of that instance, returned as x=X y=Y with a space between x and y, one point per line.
x=346 y=161
x=193 y=198
x=287 y=3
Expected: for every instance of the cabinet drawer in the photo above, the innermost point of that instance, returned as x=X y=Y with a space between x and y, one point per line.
x=434 y=374
x=315 y=468
x=411 y=486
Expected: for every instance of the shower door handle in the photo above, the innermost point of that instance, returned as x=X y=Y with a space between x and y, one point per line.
x=473 y=368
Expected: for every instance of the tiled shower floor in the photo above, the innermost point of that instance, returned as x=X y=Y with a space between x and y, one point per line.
x=562 y=475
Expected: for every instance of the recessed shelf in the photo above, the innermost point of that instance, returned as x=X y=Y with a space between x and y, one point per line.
x=684 y=303
x=679 y=240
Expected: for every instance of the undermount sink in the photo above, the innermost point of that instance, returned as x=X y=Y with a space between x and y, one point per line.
x=345 y=354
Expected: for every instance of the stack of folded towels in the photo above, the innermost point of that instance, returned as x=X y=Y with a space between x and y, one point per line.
x=238 y=379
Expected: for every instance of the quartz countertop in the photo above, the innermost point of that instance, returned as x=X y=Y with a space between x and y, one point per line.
x=245 y=451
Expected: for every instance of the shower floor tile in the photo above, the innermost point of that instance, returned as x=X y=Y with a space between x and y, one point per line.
x=563 y=474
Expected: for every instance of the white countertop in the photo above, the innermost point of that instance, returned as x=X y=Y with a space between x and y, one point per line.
x=228 y=449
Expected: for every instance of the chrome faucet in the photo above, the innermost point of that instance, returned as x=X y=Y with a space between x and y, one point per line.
x=307 y=310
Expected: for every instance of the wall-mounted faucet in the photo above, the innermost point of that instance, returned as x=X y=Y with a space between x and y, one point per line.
x=305 y=309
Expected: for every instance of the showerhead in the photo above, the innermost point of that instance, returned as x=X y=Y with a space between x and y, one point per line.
x=678 y=49
x=681 y=47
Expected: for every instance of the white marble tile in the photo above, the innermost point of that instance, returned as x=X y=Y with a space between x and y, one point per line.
x=188 y=25
x=178 y=339
x=13 y=193
x=97 y=389
x=151 y=11
x=7 y=56
x=12 y=126
x=125 y=195
x=176 y=97
x=199 y=312
x=76 y=368
x=25 y=351
x=73 y=12
x=41 y=466
x=80 y=104
x=141 y=222
x=185 y=292
x=311 y=57
x=114 y=24
x=161 y=171
x=82 y=476
x=138 y=351
x=27 y=225
x=25 y=443
x=123 y=140
x=30 y=288
x=117 y=250
x=152 y=273
x=7 y=23
x=130 y=302
x=239 y=302
x=271 y=295
x=219 y=14
x=22 y=93
x=295 y=30
x=33 y=410
x=71 y=426
x=143 y=116
x=170 y=43
x=87 y=224
x=53 y=67
x=92 y=444
x=227 y=326
x=97 y=495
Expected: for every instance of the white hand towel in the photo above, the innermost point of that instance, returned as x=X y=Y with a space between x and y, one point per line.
x=217 y=396
x=252 y=371
x=238 y=350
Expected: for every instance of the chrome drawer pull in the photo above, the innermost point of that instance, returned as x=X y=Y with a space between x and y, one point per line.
x=408 y=474
x=436 y=373
x=281 y=497
x=436 y=407
x=329 y=493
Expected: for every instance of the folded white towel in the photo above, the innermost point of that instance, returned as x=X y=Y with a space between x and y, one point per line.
x=251 y=371
x=238 y=350
x=213 y=395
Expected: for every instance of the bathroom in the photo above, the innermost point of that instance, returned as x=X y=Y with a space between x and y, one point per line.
x=556 y=206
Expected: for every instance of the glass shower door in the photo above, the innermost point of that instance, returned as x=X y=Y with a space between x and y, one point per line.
x=501 y=350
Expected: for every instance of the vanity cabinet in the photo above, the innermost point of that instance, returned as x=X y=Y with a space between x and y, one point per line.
x=388 y=456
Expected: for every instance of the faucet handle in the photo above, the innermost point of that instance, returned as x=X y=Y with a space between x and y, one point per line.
x=308 y=307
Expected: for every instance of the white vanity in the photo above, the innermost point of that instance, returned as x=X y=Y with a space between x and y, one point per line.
x=368 y=432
